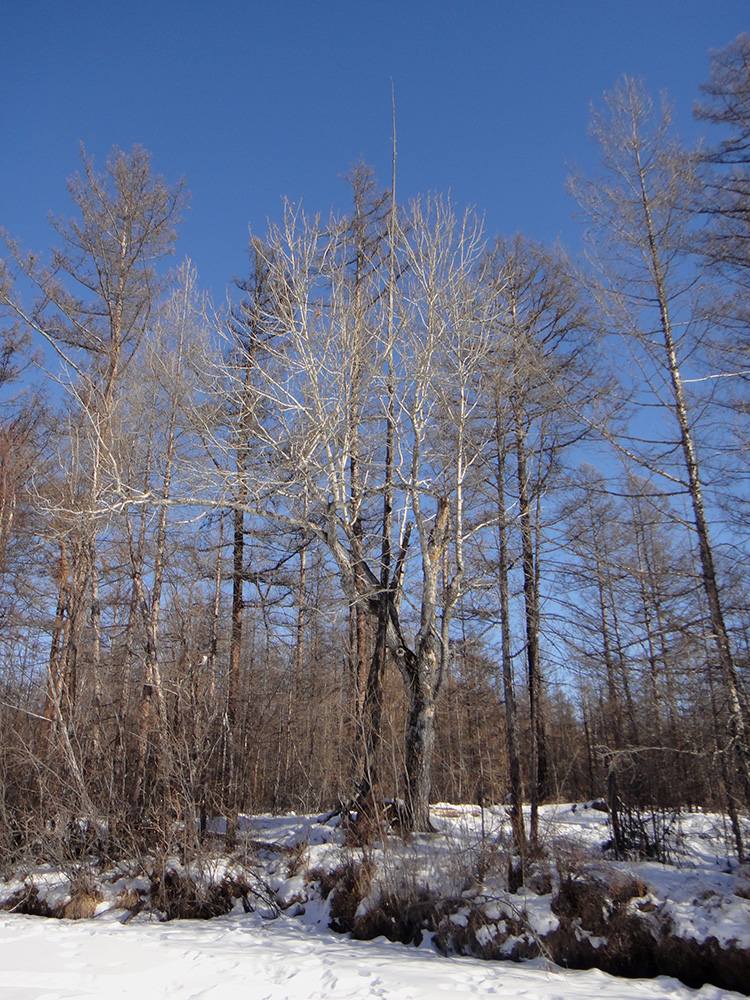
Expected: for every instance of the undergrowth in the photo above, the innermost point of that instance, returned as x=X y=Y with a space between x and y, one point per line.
x=575 y=907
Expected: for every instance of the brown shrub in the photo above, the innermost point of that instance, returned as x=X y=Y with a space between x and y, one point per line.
x=27 y=901
x=180 y=897
x=596 y=902
x=353 y=881
x=463 y=939
x=130 y=899
x=372 y=821
x=400 y=914
x=699 y=962
x=583 y=900
x=81 y=904
x=81 y=907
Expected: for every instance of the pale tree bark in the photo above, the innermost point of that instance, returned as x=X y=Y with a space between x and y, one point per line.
x=445 y=345
x=422 y=397
x=638 y=214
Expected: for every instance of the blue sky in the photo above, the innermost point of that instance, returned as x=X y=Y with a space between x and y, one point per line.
x=253 y=101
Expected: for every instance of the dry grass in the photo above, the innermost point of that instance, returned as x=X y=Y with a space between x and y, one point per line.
x=82 y=906
x=352 y=882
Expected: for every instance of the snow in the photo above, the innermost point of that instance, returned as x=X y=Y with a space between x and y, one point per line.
x=292 y=954
x=243 y=956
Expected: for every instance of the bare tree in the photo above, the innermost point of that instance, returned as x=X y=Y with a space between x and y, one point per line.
x=723 y=203
x=162 y=384
x=639 y=218
x=95 y=300
x=541 y=371
x=725 y=198
x=416 y=371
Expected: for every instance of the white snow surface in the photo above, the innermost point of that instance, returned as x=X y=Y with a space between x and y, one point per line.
x=243 y=956
x=294 y=955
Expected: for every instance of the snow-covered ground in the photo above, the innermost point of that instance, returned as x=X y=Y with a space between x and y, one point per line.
x=243 y=957
x=294 y=955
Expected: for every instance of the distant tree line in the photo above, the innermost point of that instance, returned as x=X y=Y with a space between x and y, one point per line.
x=424 y=516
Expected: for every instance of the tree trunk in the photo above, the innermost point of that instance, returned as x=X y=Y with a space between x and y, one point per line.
x=238 y=608
x=420 y=741
x=531 y=600
x=516 y=873
x=737 y=708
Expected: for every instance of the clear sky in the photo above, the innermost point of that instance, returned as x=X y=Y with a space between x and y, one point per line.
x=253 y=101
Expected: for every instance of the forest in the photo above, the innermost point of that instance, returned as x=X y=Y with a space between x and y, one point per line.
x=425 y=515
